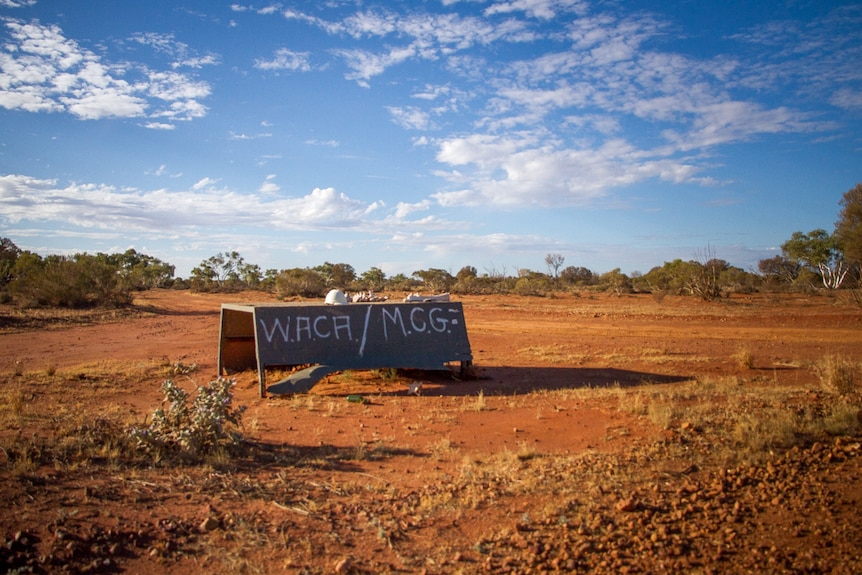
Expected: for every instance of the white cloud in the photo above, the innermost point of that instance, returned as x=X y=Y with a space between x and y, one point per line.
x=847 y=99
x=430 y=37
x=527 y=169
x=183 y=56
x=285 y=59
x=543 y=9
x=182 y=212
x=404 y=209
x=204 y=183
x=366 y=65
x=43 y=71
x=97 y=103
x=410 y=117
x=734 y=121
x=269 y=186
x=271 y=9
x=821 y=57
x=235 y=136
x=604 y=81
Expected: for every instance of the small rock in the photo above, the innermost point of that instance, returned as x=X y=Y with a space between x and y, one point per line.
x=209 y=524
x=628 y=504
x=343 y=565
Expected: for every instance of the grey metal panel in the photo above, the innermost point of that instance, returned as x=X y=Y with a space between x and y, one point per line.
x=423 y=335
x=374 y=335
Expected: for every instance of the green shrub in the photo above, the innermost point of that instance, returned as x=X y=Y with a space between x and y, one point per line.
x=301 y=282
x=208 y=426
x=82 y=281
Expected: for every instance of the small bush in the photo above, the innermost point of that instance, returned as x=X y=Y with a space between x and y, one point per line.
x=836 y=374
x=79 y=282
x=206 y=427
x=744 y=358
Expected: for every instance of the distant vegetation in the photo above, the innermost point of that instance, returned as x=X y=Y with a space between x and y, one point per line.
x=808 y=261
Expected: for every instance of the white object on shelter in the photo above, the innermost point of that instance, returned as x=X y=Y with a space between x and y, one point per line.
x=336 y=297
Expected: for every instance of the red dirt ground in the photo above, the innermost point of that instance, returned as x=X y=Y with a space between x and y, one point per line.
x=471 y=476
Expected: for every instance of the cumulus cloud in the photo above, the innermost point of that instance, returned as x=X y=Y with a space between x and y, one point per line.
x=269 y=186
x=526 y=169
x=97 y=206
x=404 y=209
x=43 y=71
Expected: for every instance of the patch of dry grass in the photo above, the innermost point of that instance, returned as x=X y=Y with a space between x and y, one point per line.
x=478 y=403
x=837 y=374
x=744 y=358
x=555 y=354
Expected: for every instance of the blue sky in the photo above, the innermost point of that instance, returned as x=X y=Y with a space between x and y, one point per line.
x=435 y=134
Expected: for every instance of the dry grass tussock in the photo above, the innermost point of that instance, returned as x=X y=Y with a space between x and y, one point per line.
x=837 y=374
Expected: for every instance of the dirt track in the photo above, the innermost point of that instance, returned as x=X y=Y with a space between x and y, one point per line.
x=555 y=456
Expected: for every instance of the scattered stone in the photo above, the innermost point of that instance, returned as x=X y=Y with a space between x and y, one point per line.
x=627 y=505
x=343 y=565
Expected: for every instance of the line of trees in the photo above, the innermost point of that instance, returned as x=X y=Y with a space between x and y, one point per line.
x=807 y=260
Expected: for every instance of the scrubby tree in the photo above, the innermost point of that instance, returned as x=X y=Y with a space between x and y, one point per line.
x=848 y=228
x=820 y=252
x=220 y=272
x=467 y=272
x=82 y=280
x=434 y=279
x=616 y=281
x=577 y=276
x=373 y=279
x=250 y=275
x=9 y=253
x=337 y=275
x=268 y=281
x=671 y=277
x=139 y=270
x=467 y=281
x=402 y=282
x=778 y=269
x=554 y=261
x=532 y=283
x=303 y=282
x=705 y=281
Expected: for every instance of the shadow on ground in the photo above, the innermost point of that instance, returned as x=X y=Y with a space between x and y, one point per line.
x=505 y=380
x=489 y=380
